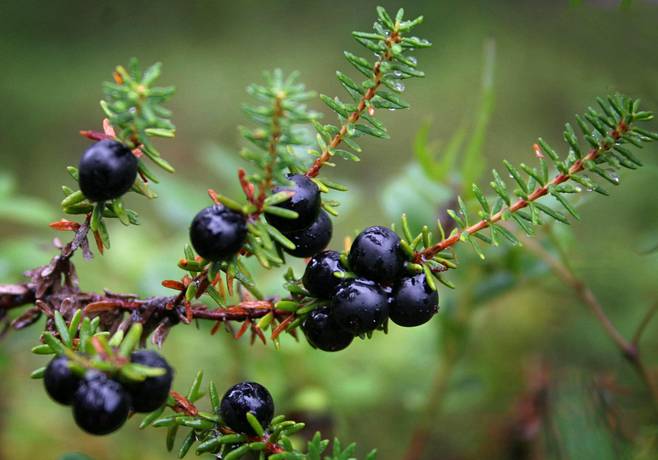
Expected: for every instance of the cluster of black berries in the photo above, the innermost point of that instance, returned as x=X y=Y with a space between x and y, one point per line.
x=218 y=233
x=100 y=404
x=311 y=230
x=359 y=305
x=243 y=398
x=107 y=170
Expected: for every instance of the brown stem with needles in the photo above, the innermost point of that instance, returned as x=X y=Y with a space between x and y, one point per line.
x=392 y=39
x=537 y=193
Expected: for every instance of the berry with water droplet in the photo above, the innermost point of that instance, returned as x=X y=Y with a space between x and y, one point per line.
x=360 y=306
x=376 y=254
x=319 y=279
x=323 y=332
x=246 y=397
x=414 y=302
x=311 y=239
x=305 y=201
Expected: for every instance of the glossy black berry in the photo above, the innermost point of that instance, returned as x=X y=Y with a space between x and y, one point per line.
x=414 y=302
x=61 y=384
x=100 y=405
x=312 y=239
x=305 y=202
x=376 y=254
x=107 y=170
x=319 y=279
x=323 y=332
x=242 y=398
x=217 y=232
x=151 y=393
x=360 y=306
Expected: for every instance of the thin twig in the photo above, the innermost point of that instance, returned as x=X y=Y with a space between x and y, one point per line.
x=628 y=349
x=540 y=191
x=392 y=39
x=421 y=431
x=648 y=316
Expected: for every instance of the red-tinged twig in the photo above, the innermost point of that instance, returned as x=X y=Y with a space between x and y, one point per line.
x=325 y=156
x=536 y=194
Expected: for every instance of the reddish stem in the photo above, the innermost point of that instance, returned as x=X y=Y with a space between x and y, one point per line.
x=521 y=203
x=361 y=107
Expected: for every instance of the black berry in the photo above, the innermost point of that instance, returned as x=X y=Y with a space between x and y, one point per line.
x=107 y=170
x=414 y=302
x=61 y=384
x=217 y=232
x=360 y=306
x=312 y=239
x=323 y=332
x=151 y=393
x=305 y=202
x=319 y=279
x=376 y=254
x=100 y=405
x=242 y=398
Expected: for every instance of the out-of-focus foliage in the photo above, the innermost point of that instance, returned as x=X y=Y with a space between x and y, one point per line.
x=552 y=60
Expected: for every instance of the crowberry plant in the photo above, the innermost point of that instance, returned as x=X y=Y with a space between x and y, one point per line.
x=100 y=366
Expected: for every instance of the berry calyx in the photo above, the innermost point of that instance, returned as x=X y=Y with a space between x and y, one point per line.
x=152 y=392
x=319 y=279
x=376 y=254
x=107 y=170
x=312 y=239
x=305 y=202
x=101 y=405
x=414 y=302
x=242 y=398
x=218 y=233
x=60 y=382
x=360 y=306
x=323 y=332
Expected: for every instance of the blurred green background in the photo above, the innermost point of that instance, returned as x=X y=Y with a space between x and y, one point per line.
x=553 y=59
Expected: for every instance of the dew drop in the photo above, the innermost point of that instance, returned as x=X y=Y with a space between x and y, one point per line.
x=397 y=73
x=399 y=86
x=413 y=60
